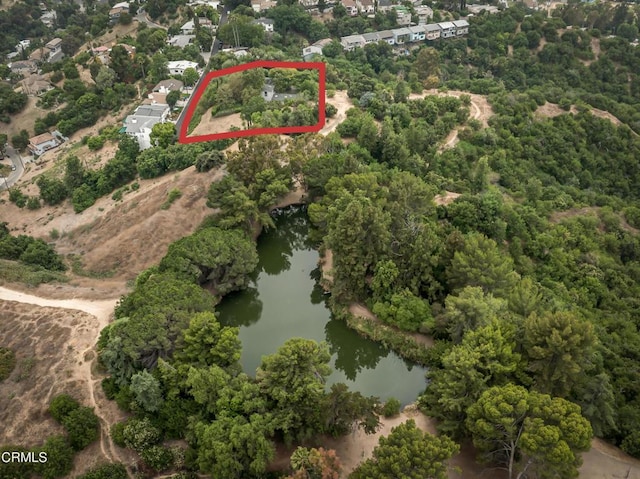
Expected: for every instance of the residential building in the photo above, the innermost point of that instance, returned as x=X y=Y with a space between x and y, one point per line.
x=417 y=33
x=35 y=85
x=181 y=41
x=210 y=3
x=309 y=3
x=371 y=37
x=166 y=86
x=403 y=14
x=269 y=93
x=315 y=48
x=351 y=42
x=266 y=23
x=350 y=6
x=462 y=27
x=367 y=7
x=140 y=124
x=447 y=29
x=23 y=67
x=386 y=36
x=424 y=14
x=384 y=5
x=188 y=28
x=432 y=31
x=178 y=67
x=41 y=143
x=262 y=5
x=23 y=45
x=55 y=50
x=476 y=9
x=116 y=12
x=401 y=35
x=49 y=18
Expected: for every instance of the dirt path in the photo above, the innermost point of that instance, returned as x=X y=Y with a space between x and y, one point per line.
x=82 y=341
x=342 y=102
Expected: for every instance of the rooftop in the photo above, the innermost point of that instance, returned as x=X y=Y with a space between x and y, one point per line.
x=170 y=84
x=150 y=111
x=43 y=138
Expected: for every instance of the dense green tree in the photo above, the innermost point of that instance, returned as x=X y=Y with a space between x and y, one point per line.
x=83 y=427
x=470 y=309
x=560 y=348
x=234 y=447
x=163 y=135
x=409 y=453
x=146 y=389
x=486 y=357
x=293 y=381
x=140 y=434
x=59 y=458
x=106 y=471
x=52 y=191
x=344 y=409
x=222 y=258
x=209 y=159
x=61 y=406
x=315 y=464
x=529 y=433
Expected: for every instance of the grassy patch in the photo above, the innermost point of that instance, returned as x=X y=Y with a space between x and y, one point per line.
x=7 y=363
x=173 y=195
x=25 y=367
x=15 y=272
x=78 y=268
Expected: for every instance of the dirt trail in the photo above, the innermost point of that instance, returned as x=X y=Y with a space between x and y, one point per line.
x=342 y=102
x=79 y=370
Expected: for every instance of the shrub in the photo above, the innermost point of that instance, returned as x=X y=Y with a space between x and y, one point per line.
x=33 y=203
x=391 y=408
x=61 y=406
x=140 y=434
x=110 y=388
x=7 y=362
x=59 y=458
x=117 y=434
x=106 y=471
x=173 y=195
x=631 y=444
x=83 y=427
x=16 y=196
x=95 y=142
x=157 y=457
x=54 y=234
x=632 y=215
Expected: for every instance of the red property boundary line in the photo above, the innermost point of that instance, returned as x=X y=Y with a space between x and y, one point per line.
x=320 y=66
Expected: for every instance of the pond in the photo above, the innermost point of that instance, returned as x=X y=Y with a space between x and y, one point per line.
x=285 y=300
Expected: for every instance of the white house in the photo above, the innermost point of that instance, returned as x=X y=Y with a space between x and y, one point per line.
x=55 y=50
x=181 y=41
x=403 y=15
x=140 y=124
x=351 y=6
x=188 y=28
x=462 y=27
x=262 y=5
x=178 y=67
x=366 y=6
x=266 y=23
x=315 y=48
x=447 y=29
x=386 y=36
x=41 y=143
x=351 y=42
x=166 y=86
x=384 y=5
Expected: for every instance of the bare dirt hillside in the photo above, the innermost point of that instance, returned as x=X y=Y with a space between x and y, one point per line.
x=209 y=125
x=549 y=110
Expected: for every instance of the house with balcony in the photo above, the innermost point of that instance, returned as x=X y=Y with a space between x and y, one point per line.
x=367 y=7
x=351 y=6
x=402 y=35
x=403 y=14
x=417 y=33
x=55 y=50
x=447 y=29
x=386 y=36
x=462 y=27
x=424 y=13
x=432 y=31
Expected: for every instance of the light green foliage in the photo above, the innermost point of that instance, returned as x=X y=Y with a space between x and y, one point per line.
x=470 y=309
x=146 y=389
x=480 y=263
x=157 y=457
x=529 y=433
x=206 y=384
x=391 y=407
x=524 y=298
x=234 y=447
x=163 y=135
x=207 y=343
x=560 y=348
x=293 y=380
x=140 y=434
x=406 y=311
x=222 y=258
x=409 y=453
x=172 y=196
x=485 y=358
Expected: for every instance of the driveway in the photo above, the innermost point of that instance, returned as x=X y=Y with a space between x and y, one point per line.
x=15 y=175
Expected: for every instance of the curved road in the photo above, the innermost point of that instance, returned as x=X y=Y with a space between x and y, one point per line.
x=15 y=175
x=143 y=17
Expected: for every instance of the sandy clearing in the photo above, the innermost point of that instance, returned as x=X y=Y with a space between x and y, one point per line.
x=446 y=198
x=550 y=110
x=209 y=125
x=342 y=102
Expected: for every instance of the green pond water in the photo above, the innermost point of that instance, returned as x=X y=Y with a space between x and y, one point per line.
x=285 y=301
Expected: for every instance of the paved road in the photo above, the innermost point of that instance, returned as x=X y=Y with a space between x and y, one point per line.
x=142 y=17
x=215 y=47
x=15 y=175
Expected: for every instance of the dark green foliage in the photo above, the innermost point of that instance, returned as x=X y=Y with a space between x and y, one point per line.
x=13 y=470
x=59 y=458
x=83 y=427
x=391 y=407
x=52 y=191
x=157 y=457
x=7 y=362
x=106 y=471
x=222 y=258
x=61 y=406
x=117 y=433
x=409 y=453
